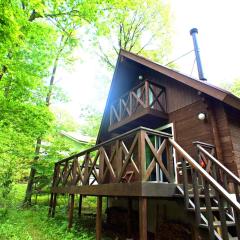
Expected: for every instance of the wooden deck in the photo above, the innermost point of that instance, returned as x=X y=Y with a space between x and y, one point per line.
x=125 y=166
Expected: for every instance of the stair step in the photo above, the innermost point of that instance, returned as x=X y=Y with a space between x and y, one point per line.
x=204 y=209
x=192 y=196
x=218 y=224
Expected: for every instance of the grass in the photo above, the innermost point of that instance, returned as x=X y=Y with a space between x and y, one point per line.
x=33 y=223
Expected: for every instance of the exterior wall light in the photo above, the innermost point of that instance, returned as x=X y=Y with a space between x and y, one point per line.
x=140 y=77
x=202 y=116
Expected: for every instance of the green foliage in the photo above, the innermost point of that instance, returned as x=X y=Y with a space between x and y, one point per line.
x=234 y=87
x=91 y=121
x=24 y=115
x=36 y=38
x=142 y=27
x=34 y=223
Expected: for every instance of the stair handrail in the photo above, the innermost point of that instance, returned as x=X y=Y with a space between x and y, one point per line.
x=219 y=164
x=206 y=175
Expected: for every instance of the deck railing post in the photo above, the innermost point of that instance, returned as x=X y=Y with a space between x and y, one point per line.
x=118 y=158
x=142 y=154
x=101 y=165
x=86 y=169
x=169 y=154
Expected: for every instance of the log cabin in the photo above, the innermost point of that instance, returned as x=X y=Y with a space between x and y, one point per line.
x=167 y=156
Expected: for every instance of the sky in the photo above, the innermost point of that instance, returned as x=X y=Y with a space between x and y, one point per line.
x=218 y=23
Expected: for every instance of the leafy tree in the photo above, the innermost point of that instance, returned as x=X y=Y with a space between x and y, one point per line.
x=234 y=87
x=67 y=17
x=142 y=27
x=25 y=57
x=91 y=121
x=37 y=37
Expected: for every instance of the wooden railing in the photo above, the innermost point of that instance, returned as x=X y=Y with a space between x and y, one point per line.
x=144 y=95
x=208 y=197
x=130 y=157
x=218 y=171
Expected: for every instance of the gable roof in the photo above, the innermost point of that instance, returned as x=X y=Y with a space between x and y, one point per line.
x=202 y=86
x=78 y=137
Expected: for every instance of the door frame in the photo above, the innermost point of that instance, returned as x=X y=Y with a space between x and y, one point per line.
x=171 y=125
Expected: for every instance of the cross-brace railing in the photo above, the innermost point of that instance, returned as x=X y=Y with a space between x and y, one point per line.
x=121 y=159
x=145 y=95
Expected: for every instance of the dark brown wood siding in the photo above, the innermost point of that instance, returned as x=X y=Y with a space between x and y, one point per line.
x=234 y=131
x=188 y=128
x=224 y=135
x=178 y=95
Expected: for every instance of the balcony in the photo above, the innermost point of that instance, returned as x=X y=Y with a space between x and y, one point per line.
x=144 y=105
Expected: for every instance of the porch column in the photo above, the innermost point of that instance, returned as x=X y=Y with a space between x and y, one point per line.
x=142 y=218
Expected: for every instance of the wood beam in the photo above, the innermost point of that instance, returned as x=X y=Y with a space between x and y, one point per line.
x=70 y=212
x=80 y=205
x=135 y=189
x=50 y=205
x=54 y=204
x=143 y=218
x=99 y=218
x=129 y=218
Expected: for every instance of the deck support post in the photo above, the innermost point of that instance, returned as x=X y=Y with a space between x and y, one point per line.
x=99 y=218
x=129 y=218
x=70 y=212
x=142 y=218
x=50 y=205
x=80 y=205
x=54 y=203
x=156 y=235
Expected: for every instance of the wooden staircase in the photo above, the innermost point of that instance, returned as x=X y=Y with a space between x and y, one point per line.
x=206 y=194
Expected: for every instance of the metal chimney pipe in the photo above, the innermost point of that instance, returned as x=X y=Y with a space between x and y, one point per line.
x=193 y=33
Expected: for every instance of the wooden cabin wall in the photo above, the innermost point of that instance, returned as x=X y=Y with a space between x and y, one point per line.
x=188 y=128
x=178 y=95
x=226 y=146
x=233 y=117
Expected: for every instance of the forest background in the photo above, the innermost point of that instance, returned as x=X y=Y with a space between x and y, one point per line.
x=39 y=39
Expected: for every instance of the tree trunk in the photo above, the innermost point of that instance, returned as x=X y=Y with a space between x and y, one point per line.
x=4 y=69
x=49 y=94
x=29 y=190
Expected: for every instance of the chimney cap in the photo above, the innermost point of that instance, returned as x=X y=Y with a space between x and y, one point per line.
x=193 y=30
